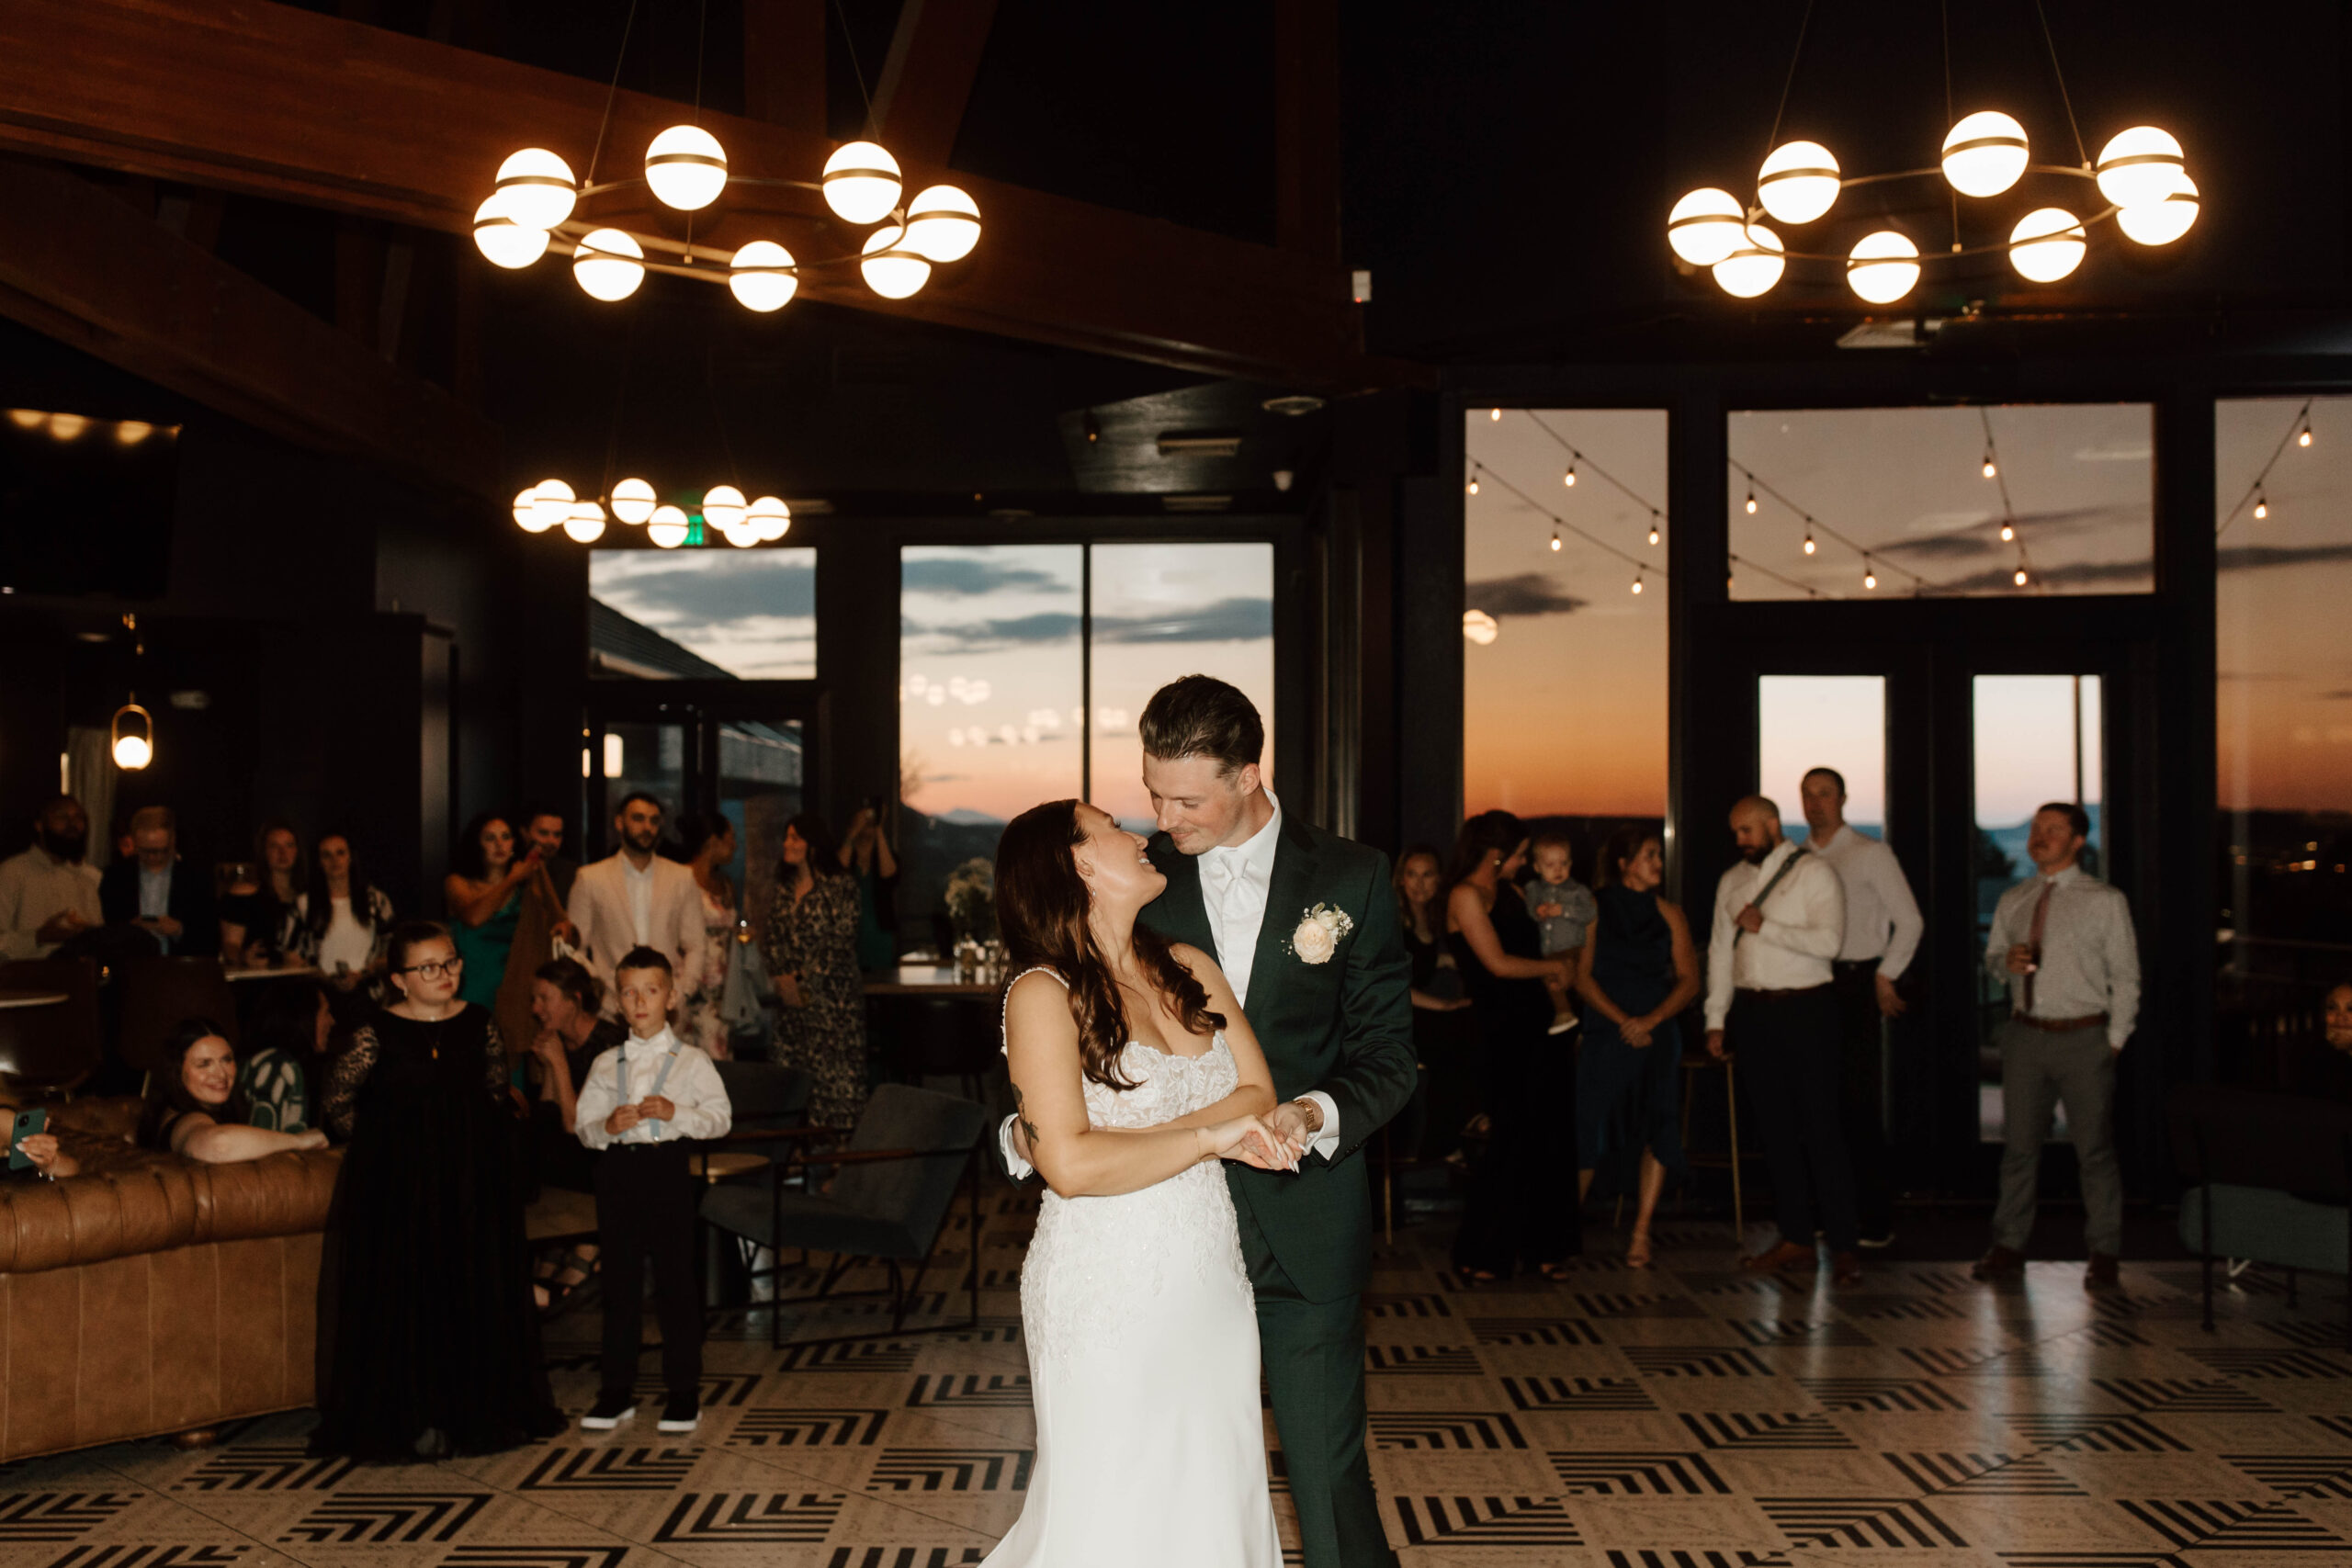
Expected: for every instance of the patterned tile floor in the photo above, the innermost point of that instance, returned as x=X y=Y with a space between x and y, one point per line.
x=1683 y=1417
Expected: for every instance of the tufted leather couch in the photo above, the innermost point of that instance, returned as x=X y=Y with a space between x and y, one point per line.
x=153 y=1294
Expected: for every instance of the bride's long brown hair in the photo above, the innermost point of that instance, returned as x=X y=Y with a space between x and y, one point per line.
x=1040 y=909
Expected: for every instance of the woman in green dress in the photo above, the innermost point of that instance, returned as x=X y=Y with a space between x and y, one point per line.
x=485 y=898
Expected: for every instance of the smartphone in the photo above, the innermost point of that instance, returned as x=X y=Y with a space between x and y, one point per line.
x=29 y=1123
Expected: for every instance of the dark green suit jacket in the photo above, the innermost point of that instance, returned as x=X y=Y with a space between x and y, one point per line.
x=1344 y=1027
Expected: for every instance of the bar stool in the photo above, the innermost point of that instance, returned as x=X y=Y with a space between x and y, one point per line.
x=1695 y=1061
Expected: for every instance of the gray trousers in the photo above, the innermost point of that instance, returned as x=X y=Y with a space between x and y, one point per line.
x=2040 y=1071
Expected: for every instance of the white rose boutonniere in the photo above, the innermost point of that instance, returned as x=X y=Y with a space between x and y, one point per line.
x=1319 y=934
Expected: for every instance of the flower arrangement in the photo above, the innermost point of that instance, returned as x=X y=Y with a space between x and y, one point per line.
x=1319 y=934
x=971 y=900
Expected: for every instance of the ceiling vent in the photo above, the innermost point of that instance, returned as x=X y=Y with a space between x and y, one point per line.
x=1197 y=502
x=1198 y=444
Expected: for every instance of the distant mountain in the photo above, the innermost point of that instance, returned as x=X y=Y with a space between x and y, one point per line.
x=964 y=816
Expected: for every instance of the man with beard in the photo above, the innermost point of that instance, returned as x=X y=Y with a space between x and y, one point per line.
x=1779 y=917
x=636 y=899
x=48 y=894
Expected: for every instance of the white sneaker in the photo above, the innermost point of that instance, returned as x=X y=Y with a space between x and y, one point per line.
x=606 y=1414
x=1563 y=1025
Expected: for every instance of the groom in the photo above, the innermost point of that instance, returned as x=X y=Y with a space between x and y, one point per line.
x=1332 y=1010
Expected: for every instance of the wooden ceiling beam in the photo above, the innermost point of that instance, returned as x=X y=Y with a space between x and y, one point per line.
x=273 y=101
x=927 y=76
x=93 y=272
x=784 y=63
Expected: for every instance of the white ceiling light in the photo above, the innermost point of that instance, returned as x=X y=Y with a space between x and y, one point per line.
x=551 y=504
x=1883 y=267
x=861 y=183
x=723 y=507
x=633 y=501
x=667 y=527
x=2047 y=244
x=2161 y=222
x=504 y=240
x=893 y=269
x=769 y=518
x=537 y=188
x=1479 y=627
x=943 y=224
x=1798 y=183
x=685 y=167
x=1754 y=267
x=2137 y=166
x=586 y=524
x=1984 y=153
x=527 y=510
x=608 y=263
x=1705 y=226
x=762 y=277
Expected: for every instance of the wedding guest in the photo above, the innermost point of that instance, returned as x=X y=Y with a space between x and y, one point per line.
x=866 y=855
x=48 y=1160
x=48 y=894
x=2062 y=941
x=811 y=951
x=1636 y=972
x=644 y=1098
x=429 y=1343
x=485 y=898
x=291 y=1030
x=1520 y=1211
x=1883 y=930
x=543 y=829
x=636 y=897
x=154 y=891
x=1563 y=908
x=1445 y=1039
x=1779 y=917
x=709 y=845
x=569 y=1032
x=342 y=924
x=253 y=912
x=2323 y=1070
x=195 y=1111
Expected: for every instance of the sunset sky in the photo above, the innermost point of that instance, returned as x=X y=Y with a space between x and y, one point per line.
x=751 y=612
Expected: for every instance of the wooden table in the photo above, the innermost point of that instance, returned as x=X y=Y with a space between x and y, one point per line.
x=927 y=980
x=9 y=999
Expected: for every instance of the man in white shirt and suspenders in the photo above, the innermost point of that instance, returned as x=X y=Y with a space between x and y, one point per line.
x=1779 y=919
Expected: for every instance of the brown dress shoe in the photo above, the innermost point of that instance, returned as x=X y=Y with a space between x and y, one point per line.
x=1998 y=1263
x=1846 y=1269
x=1785 y=1255
x=2105 y=1273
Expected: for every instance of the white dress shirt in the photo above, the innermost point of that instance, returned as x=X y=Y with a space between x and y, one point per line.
x=2091 y=961
x=35 y=888
x=640 y=898
x=1804 y=921
x=1881 y=917
x=687 y=1080
x=1234 y=884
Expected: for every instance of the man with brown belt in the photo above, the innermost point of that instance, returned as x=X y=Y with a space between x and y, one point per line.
x=1779 y=917
x=2062 y=941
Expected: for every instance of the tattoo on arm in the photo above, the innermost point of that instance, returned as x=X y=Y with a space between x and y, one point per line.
x=1020 y=1115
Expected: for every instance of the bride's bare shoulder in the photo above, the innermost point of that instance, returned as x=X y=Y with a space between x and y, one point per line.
x=1199 y=963
x=1036 y=1007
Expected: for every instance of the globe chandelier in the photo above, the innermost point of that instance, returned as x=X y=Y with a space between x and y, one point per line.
x=536 y=206
x=2141 y=174
x=633 y=503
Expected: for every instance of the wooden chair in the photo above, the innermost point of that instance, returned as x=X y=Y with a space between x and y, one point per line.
x=50 y=1050
x=159 y=993
x=1695 y=1061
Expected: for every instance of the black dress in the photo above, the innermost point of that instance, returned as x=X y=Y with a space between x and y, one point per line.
x=428 y=1342
x=1521 y=1208
x=1447 y=1047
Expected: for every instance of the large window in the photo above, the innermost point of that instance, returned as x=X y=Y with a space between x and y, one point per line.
x=703 y=613
x=1853 y=503
x=1564 y=667
x=995 y=663
x=2284 y=510
x=1839 y=722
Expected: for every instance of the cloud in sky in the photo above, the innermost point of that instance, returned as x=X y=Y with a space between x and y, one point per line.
x=969 y=575
x=1521 y=593
x=2245 y=558
x=2121 y=575
x=1221 y=620
x=701 y=588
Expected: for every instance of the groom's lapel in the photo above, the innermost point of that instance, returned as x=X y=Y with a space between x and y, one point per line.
x=1289 y=892
x=1181 y=913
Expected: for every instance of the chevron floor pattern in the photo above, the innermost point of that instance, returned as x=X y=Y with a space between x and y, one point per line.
x=1684 y=1416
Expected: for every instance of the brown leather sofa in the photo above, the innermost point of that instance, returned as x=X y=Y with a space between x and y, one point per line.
x=152 y=1294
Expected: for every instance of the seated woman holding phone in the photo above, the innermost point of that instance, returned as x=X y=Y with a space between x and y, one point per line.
x=33 y=1154
x=195 y=1109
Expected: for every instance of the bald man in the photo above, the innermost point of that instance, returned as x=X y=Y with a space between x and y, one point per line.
x=1779 y=917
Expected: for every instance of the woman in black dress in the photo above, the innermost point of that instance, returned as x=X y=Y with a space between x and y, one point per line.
x=1521 y=1208
x=1636 y=974
x=1445 y=1039
x=428 y=1344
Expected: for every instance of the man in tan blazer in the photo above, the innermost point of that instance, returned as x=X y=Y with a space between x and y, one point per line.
x=635 y=898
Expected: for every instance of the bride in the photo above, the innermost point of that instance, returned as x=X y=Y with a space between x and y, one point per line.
x=1132 y=1073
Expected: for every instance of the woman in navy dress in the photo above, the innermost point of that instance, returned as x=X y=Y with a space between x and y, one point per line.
x=1636 y=973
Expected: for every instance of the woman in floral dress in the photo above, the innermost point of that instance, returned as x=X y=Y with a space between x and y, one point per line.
x=709 y=843
x=811 y=950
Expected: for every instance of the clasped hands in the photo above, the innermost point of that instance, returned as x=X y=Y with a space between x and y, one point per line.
x=652 y=1108
x=1276 y=1141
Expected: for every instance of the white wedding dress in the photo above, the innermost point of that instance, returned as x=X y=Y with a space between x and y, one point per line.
x=1143 y=1359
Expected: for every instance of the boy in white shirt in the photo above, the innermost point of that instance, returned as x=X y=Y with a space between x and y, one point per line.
x=643 y=1099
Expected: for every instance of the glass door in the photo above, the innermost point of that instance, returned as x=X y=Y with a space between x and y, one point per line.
x=740 y=750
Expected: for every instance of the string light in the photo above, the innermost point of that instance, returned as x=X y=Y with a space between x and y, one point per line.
x=2257 y=493
x=2020 y=577
x=1751 y=498
x=1637 y=584
x=1808 y=536
x=1495 y=415
x=2306 y=438
x=1869 y=577
x=1561 y=526
x=1474 y=484
x=1991 y=468
x=2261 y=504
x=1652 y=527
x=2008 y=532
x=1555 y=538
x=1817 y=533
x=1569 y=478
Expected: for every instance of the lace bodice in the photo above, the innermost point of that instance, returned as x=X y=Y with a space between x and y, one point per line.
x=1093 y=1256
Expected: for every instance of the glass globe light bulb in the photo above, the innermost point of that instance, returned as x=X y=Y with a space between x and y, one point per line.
x=132 y=752
x=667 y=527
x=743 y=535
x=761 y=277
x=526 y=513
x=861 y=182
x=1985 y=154
x=537 y=187
x=2161 y=222
x=2046 y=244
x=892 y=269
x=1884 y=268
x=723 y=506
x=771 y=517
x=633 y=501
x=1798 y=183
x=550 y=504
x=503 y=242
x=1479 y=627
x=608 y=265
x=943 y=224
x=1705 y=225
x=586 y=524
x=685 y=167
x=1754 y=267
x=2137 y=166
